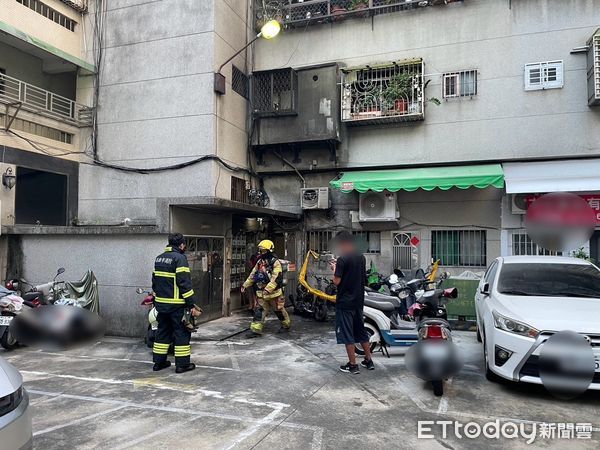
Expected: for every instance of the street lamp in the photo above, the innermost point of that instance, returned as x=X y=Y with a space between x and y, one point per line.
x=268 y=31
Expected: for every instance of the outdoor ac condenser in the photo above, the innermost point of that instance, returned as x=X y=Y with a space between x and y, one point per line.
x=315 y=198
x=518 y=204
x=378 y=207
x=594 y=69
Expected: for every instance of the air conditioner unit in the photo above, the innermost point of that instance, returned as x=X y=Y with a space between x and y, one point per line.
x=594 y=69
x=314 y=198
x=518 y=204
x=378 y=207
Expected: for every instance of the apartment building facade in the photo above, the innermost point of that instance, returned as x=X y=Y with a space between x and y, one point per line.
x=443 y=121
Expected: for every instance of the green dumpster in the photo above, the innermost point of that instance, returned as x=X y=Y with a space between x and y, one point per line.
x=463 y=307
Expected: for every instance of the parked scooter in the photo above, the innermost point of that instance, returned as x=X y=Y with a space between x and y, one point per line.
x=386 y=324
x=45 y=293
x=434 y=357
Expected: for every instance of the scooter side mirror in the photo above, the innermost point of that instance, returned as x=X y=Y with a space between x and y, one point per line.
x=485 y=289
x=59 y=271
x=139 y=290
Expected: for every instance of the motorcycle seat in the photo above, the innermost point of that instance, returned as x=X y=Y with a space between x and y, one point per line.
x=378 y=297
x=381 y=305
x=32 y=295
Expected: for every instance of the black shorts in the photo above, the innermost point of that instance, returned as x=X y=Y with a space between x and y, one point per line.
x=350 y=326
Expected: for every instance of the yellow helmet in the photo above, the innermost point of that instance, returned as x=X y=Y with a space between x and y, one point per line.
x=266 y=245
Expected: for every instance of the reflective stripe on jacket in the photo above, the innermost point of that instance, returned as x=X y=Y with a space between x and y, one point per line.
x=171 y=279
x=274 y=285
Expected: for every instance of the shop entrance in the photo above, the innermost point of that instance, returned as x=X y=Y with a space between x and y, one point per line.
x=205 y=257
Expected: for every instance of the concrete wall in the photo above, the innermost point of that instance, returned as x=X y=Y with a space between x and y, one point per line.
x=121 y=263
x=503 y=121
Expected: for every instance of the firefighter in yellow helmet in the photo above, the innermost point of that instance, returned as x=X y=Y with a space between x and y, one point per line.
x=267 y=276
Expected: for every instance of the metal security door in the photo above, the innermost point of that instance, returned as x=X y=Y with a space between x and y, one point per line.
x=205 y=256
x=404 y=255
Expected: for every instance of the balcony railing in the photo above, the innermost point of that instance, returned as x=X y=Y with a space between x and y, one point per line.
x=375 y=94
x=44 y=102
x=308 y=12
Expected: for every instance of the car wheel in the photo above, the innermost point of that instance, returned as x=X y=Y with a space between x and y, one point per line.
x=438 y=387
x=8 y=341
x=374 y=339
x=489 y=375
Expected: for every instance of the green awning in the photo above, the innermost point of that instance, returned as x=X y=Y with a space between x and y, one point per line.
x=427 y=178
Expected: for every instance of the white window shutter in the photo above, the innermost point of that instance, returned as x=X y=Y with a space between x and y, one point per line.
x=556 y=68
x=534 y=77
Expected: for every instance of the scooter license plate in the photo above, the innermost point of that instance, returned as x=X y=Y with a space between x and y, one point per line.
x=5 y=321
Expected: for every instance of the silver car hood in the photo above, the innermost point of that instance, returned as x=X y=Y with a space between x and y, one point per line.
x=10 y=378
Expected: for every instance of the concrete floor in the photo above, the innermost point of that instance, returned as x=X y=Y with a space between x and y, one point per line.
x=273 y=392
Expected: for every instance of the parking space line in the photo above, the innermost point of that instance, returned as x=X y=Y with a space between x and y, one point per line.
x=160 y=383
x=161 y=430
x=317 y=431
x=254 y=428
x=78 y=421
x=101 y=358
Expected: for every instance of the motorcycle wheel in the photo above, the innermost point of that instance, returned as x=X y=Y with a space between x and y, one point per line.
x=8 y=341
x=438 y=387
x=374 y=339
x=321 y=313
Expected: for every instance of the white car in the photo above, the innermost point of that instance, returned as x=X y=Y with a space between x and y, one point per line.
x=15 y=416
x=523 y=300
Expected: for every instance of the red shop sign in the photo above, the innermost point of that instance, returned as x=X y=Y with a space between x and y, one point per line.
x=592 y=199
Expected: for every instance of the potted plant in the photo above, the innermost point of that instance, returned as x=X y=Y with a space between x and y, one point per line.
x=397 y=92
x=338 y=8
x=357 y=5
x=366 y=106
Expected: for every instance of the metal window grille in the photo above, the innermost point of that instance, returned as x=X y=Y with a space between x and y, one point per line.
x=319 y=241
x=312 y=12
x=49 y=13
x=593 y=67
x=461 y=248
x=239 y=82
x=387 y=93
x=275 y=92
x=239 y=190
x=544 y=75
x=39 y=130
x=368 y=241
x=522 y=244
x=459 y=84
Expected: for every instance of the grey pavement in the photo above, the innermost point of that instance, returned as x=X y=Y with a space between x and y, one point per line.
x=278 y=391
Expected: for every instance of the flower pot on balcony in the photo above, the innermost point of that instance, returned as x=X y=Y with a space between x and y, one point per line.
x=338 y=12
x=400 y=106
x=359 y=8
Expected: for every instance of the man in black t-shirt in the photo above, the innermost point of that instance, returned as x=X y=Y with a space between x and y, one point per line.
x=349 y=277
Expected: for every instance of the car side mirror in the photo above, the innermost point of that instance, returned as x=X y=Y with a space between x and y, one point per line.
x=485 y=289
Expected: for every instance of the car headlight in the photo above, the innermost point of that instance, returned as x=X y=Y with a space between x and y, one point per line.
x=11 y=402
x=513 y=326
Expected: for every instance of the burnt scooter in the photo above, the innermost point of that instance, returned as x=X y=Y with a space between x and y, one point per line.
x=306 y=303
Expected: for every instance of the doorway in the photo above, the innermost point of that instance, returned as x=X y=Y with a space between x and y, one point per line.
x=205 y=257
x=404 y=251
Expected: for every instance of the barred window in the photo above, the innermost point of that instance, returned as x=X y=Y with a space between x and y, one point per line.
x=459 y=84
x=319 y=241
x=368 y=241
x=275 y=92
x=544 y=75
x=239 y=82
x=49 y=13
x=462 y=248
x=239 y=191
x=521 y=244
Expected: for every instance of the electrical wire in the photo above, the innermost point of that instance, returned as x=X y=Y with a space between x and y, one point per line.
x=41 y=149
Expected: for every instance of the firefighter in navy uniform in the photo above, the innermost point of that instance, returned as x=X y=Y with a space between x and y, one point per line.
x=267 y=277
x=172 y=286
